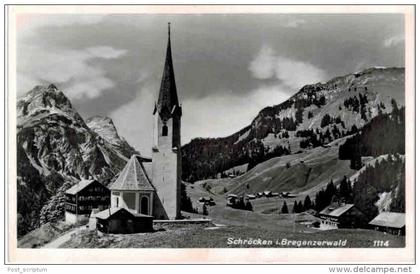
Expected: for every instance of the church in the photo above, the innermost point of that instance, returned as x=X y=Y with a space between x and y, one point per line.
x=153 y=186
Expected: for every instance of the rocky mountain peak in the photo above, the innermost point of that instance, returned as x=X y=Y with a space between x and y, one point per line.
x=56 y=148
x=43 y=97
x=104 y=127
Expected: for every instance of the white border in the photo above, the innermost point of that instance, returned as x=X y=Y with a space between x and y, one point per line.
x=202 y=255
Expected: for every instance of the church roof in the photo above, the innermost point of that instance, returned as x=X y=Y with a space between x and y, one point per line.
x=132 y=177
x=167 y=103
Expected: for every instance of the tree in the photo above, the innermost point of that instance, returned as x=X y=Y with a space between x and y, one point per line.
x=295 y=207
x=186 y=204
x=310 y=115
x=248 y=206
x=394 y=106
x=300 y=207
x=345 y=190
x=356 y=162
x=284 y=209
x=205 y=211
x=330 y=191
x=307 y=204
x=299 y=115
x=326 y=120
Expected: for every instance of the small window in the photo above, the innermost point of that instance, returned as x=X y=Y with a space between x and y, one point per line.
x=118 y=201
x=165 y=130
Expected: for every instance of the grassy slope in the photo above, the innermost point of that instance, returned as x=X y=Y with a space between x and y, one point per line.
x=309 y=172
x=43 y=235
x=198 y=237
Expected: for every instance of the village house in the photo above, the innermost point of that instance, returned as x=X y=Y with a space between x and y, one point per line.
x=340 y=215
x=389 y=222
x=120 y=220
x=206 y=200
x=82 y=198
x=251 y=196
x=231 y=199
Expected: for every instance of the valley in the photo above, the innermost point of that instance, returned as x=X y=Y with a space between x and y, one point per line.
x=295 y=150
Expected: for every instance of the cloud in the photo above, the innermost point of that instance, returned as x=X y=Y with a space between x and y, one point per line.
x=294 y=23
x=105 y=52
x=263 y=66
x=296 y=74
x=217 y=116
x=72 y=70
x=292 y=73
x=28 y=24
x=393 y=41
x=134 y=120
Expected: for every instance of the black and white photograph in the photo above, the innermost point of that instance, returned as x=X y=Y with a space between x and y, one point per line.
x=152 y=127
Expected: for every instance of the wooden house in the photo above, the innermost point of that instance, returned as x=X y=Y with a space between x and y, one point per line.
x=268 y=193
x=251 y=196
x=339 y=215
x=82 y=198
x=231 y=199
x=389 y=222
x=122 y=221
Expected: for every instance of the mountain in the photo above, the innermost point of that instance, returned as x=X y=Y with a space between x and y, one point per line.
x=113 y=146
x=55 y=149
x=316 y=115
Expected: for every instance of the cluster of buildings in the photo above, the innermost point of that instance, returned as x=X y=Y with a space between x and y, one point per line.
x=349 y=216
x=146 y=189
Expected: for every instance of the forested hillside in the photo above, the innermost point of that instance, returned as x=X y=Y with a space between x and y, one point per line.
x=314 y=116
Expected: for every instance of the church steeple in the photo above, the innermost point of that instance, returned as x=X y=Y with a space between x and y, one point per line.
x=166 y=150
x=167 y=104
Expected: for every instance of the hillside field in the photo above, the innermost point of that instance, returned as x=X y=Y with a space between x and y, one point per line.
x=199 y=237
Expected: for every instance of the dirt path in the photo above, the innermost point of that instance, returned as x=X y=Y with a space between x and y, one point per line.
x=63 y=238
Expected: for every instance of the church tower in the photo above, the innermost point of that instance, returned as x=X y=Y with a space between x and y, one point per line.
x=166 y=152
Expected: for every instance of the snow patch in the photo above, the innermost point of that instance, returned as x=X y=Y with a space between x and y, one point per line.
x=243 y=136
x=384 y=202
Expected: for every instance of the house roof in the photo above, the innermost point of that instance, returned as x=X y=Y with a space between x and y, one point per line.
x=133 y=177
x=105 y=214
x=389 y=219
x=167 y=102
x=336 y=210
x=79 y=186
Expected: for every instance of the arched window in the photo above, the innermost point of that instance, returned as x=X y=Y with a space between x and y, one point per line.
x=144 y=205
x=165 y=130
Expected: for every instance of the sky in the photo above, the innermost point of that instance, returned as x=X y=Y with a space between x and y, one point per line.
x=227 y=67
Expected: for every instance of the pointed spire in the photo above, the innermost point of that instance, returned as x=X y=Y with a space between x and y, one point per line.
x=168 y=99
x=169 y=30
